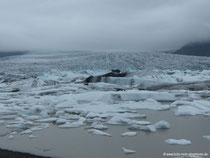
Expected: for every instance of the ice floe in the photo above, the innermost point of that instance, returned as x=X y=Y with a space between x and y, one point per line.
x=28 y=131
x=32 y=136
x=40 y=127
x=128 y=151
x=162 y=125
x=148 y=104
x=187 y=111
x=178 y=141
x=196 y=107
x=98 y=132
x=11 y=137
x=129 y=134
x=207 y=137
x=74 y=124
x=133 y=95
x=99 y=125
x=147 y=128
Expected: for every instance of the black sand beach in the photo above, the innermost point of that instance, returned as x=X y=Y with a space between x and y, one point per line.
x=12 y=154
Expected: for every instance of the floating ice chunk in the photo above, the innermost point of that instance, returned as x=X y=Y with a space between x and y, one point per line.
x=116 y=120
x=98 y=132
x=162 y=125
x=98 y=125
x=149 y=128
x=13 y=133
x=11 y=137
x=187 y=111
x=138 y=122
x=7 y=112
x=74 y=117
x=28 y=131
x=33 y=117
x=129 y=134
x=1 y=122
x=207 y=115
x=128 y=151
x=96 y=119
x=134 y=95
x=92 y=115
x=19 y=119
x=8 y=117
x=61 y=121
x=32 y=136
x=18 y=125
x=75 y=124
x=149 y=104
x=178 y=141
x=42 y=126
x=135 y=127
x=207 y=137
x=66 y=125
x=59 y=113
x=47 y=120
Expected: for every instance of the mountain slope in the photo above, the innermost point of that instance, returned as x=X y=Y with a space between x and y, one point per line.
x=195 y=49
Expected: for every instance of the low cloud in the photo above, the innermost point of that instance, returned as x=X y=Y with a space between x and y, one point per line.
x=102 y=25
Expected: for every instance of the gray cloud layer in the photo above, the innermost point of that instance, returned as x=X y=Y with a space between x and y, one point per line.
x=102 y=24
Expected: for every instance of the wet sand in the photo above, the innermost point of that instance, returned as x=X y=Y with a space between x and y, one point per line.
x=78 y=143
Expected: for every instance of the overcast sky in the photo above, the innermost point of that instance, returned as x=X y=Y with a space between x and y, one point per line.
x=102 y=24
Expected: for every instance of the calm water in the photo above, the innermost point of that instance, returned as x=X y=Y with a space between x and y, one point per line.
x=78 y=143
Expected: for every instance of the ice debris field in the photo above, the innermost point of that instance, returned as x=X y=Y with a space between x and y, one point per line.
x=33 y=101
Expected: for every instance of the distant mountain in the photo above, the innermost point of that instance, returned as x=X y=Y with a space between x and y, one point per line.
x=195 y=49
x=11 y=53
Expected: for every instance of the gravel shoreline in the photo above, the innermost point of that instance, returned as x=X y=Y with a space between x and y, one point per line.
x=13 y=154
